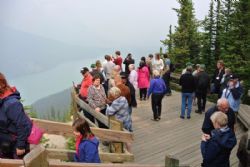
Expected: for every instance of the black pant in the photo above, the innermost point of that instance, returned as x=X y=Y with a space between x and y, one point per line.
x=100 y=124
x=143 y=93
x=201 y=100
x=156 y=100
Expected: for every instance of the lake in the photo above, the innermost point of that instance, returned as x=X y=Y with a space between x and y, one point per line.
x=36 y=86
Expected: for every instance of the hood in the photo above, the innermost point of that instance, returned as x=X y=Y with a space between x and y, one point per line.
x=93 y=140
x=10 y=94
x=120 y=101
x=225 y=137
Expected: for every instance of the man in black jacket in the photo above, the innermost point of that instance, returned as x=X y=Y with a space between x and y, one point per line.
x=202 y=87
x=220 y=71
x=187 y=83
x=223 y=106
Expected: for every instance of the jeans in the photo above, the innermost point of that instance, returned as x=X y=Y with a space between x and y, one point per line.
x=186 y=99
x=156 y=100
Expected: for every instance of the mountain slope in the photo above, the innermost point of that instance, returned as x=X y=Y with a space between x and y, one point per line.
x=28 y=53
x=53 y=106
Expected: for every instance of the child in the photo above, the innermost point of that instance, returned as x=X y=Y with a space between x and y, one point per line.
x=216 y=149
x=86 y=143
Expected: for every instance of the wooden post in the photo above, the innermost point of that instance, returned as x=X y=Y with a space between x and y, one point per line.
x=74 y=108
x=115 y=147
x=170 y=161
x=36 y=158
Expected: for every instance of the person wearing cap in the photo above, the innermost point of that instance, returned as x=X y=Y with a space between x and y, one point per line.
x=125 y=81
x=233 y=92
x=187 y=83
x=218 y=74
x=202 y=82
x=83 y=94
x=188 y=64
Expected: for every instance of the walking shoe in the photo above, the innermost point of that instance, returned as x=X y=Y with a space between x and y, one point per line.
x=198 y=112
x=182 y=117
x=188 y=117
x=154 y=119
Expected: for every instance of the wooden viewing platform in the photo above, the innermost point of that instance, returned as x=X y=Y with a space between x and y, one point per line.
x=171 y=135
x=170 y=142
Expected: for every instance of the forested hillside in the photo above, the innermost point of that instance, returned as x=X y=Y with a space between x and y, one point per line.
x=224 y=34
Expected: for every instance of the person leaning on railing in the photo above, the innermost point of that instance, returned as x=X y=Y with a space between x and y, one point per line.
x=97 y=98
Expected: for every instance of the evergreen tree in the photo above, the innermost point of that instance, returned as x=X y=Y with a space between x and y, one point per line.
x=208 y=39
x=238 y=55
x=170 y=41
x=185 y=40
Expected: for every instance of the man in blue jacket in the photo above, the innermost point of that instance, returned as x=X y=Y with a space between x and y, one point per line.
x=233 y=93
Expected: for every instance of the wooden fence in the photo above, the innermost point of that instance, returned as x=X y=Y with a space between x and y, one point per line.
x=44 y=157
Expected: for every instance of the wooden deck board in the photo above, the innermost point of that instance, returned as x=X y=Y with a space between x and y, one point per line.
x=171 y=135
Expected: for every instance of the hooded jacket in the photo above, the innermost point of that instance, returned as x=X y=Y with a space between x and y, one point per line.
x=88 y=151
x=15 y=125
x=119 y=108
x=216 y=151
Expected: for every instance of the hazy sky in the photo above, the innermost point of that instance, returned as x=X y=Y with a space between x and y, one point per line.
x=105 y=23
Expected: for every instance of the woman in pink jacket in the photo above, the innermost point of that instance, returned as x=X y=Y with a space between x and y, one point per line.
x=143 y=80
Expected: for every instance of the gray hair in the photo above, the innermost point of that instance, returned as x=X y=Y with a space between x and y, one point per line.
x=222 y=101
x=220 y=118
x=115 y=92
x=156 y=73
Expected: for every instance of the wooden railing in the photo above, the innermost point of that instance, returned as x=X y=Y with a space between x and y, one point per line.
x=45 y=157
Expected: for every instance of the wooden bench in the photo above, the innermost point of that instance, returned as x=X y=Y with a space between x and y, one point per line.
x=244 y=115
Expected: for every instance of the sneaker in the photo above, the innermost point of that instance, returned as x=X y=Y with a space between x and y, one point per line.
x=182 y=117
x=188 y=117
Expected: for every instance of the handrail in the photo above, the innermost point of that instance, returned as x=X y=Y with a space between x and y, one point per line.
x=65 y=129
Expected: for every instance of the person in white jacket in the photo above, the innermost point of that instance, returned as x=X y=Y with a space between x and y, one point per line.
x=133 y=76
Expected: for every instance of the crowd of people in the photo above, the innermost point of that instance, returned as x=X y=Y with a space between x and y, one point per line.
x=218 y=127
x=111 y=90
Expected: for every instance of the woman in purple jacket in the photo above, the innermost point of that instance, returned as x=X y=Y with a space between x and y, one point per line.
x=157 y=89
